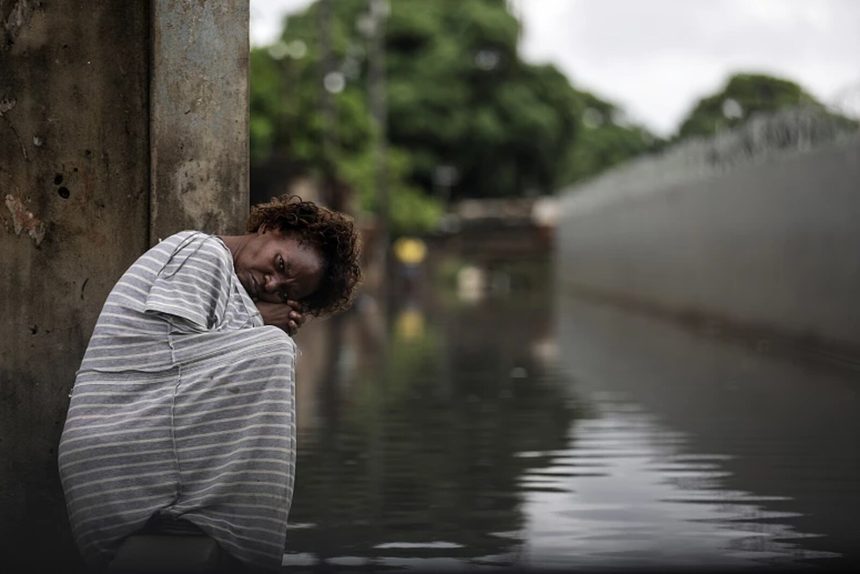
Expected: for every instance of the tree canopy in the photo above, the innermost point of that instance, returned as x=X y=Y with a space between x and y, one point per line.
x=742 y=96
x=466 y=116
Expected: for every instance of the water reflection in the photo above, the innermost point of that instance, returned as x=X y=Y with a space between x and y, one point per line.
x=785 y=425
x=419 y=459
x=647 y=503
x=470 y=435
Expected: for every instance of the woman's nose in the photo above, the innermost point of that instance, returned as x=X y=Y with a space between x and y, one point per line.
x=274 y=282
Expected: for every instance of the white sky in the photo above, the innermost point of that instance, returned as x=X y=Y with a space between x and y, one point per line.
x=655 y=58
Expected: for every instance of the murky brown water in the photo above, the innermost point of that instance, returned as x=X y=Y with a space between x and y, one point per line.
x=533 y=431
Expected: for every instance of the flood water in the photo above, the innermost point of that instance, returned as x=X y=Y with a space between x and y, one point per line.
x=533 y=430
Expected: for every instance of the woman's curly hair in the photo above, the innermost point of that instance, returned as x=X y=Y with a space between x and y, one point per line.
x=332 y=233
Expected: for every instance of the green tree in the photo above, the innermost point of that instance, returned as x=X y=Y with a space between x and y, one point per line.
x=466 y=116
x=741 y=97
x=606 y=139
x=288 y=125
x=460 y=96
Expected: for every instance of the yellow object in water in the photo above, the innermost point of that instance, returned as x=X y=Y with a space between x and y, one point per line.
x=410 y=250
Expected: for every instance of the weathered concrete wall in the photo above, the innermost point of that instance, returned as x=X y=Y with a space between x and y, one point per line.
x=107 y=110
x=757 y=229
x=199 y=126
x=74 y=180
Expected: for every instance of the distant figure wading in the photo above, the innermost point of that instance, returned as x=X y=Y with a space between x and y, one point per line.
x=184 y=405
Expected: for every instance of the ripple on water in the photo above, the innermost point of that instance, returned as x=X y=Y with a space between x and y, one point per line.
x=651 y=505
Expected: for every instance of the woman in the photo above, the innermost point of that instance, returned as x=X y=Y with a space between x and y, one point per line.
x=184 y=405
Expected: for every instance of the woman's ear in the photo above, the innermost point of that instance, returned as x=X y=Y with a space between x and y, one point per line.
x=262 y=229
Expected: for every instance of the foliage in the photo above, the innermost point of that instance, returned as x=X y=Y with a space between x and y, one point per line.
x=460 y=96
x=287 y=122
x=606 y=139
x=741 y=97
x=466 y=116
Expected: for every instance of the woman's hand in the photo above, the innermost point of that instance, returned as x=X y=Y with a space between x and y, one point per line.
x=287 y=316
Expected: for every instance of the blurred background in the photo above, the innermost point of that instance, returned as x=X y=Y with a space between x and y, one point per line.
x=609 y=317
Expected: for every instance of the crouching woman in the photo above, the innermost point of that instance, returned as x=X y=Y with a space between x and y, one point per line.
x=184 y=404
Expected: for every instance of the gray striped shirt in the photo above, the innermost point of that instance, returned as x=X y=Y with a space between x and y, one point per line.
x=184 y=405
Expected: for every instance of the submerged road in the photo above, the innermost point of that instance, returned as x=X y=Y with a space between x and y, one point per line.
x=539 y=431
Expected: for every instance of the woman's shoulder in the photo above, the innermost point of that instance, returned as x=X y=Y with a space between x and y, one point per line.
x=193 y=240
x=198 y=246
x=188 y=237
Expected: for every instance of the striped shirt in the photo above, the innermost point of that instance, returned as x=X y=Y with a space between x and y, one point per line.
x=184 y=405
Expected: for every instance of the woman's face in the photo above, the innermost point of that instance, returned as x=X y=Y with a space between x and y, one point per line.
x=274 y=267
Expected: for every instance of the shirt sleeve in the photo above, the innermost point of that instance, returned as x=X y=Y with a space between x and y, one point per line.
x=194 y=283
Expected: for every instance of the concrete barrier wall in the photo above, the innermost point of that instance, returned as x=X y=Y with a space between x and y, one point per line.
x=108 y=140
x=74 y=182
x=746 y=229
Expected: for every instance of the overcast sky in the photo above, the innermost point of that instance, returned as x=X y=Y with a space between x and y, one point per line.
x=655 y=58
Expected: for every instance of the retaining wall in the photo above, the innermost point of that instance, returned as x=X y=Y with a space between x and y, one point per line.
x=757 y=228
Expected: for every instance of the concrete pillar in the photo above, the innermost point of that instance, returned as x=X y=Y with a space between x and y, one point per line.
x=120 y=122
x=199 y=121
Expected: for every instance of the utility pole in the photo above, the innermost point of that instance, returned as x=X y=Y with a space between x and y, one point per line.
x=379 y=10
x=324 y=24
